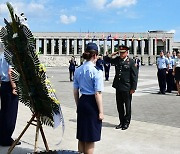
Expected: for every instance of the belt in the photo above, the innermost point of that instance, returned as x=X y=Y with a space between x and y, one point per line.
x=161 y=68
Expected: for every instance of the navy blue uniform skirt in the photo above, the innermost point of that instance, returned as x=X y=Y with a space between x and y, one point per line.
x=177 y=73
x=88 y=123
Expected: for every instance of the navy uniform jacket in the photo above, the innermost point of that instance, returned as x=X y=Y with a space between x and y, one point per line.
x=125 y=74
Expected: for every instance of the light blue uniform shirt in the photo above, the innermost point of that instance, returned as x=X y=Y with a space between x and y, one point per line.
x=162 y=62
x=4 y=68
x=88 y=79
x=171 y=62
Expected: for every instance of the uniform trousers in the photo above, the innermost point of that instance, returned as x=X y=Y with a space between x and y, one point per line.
x=8 y=113
x=106 y=69
x=169 y=80
x=123 y=100
x=162 y=79
x=71 y=74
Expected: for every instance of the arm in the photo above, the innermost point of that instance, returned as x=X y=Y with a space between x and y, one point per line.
x=98 y=97
x=133 y=77
x=76 y=96
x=12 y=82
x=173 y=73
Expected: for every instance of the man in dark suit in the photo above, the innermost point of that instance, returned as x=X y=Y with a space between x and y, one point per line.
x=100 y=62
x=125 y=83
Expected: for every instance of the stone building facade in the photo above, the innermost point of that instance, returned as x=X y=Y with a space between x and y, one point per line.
x=56 y=48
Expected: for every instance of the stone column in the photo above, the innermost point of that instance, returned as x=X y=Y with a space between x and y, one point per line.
x=150 y=46
x=67 y=47
x=166 y=45
x=75 y=46
x=52 y=46
x=127 y=43
x=142 y=47
x=105 y=46
x=83 y=46
x=112 y=45
x=170 y=44
x=45 y=46
x=155 y=48
x=60 y=46
x=135 y=46
x=37 y=45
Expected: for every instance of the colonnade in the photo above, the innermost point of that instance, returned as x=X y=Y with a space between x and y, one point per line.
x=70 y=46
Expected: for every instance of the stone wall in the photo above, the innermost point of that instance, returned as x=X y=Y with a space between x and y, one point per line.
x=56 y=60
x=63 y=60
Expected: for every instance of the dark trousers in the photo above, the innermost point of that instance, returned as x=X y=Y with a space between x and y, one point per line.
x=162 y=79
x=8 y=113
x=123 y=100
x=169 y=80
x=106 y=69
x=71 y=74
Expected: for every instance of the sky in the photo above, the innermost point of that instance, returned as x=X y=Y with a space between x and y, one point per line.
x=97 y=15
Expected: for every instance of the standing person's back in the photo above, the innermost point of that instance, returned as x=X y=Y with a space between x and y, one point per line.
x=89 y=82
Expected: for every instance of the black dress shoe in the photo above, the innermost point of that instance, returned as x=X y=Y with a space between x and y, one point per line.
x=119 y=126
x=125 y=126
x=18 y=143
x=10 y=143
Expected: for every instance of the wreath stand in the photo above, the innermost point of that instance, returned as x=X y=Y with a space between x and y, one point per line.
x=38 y=127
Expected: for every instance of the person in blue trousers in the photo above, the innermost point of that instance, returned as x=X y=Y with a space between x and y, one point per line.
x=9 y=104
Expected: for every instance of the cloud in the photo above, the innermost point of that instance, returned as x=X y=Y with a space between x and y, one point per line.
x=3 y=9
x=172 y=31
x=127 y=13
x=31 y=8
x=35 y=7
x=100 y=4
x=67 y=19
x=121 y=3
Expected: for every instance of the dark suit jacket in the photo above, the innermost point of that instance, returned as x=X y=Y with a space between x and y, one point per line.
x=125 y=74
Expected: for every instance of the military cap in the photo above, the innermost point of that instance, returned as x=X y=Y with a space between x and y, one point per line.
x=123 y=48
x=92 y=46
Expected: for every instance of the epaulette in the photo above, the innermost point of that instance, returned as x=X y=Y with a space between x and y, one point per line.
x=97 y=68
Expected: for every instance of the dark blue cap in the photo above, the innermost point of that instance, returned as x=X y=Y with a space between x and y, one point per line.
x=92 y=46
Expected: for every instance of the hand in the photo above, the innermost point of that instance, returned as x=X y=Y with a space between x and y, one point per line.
x=14 y=91
x=132 y=91
x=173 y=73
x=101 y=116
x=166 y=72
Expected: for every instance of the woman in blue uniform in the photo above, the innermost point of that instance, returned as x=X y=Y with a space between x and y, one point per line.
x=89 y=81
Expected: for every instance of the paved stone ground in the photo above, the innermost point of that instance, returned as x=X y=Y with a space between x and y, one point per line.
x=155 y=126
